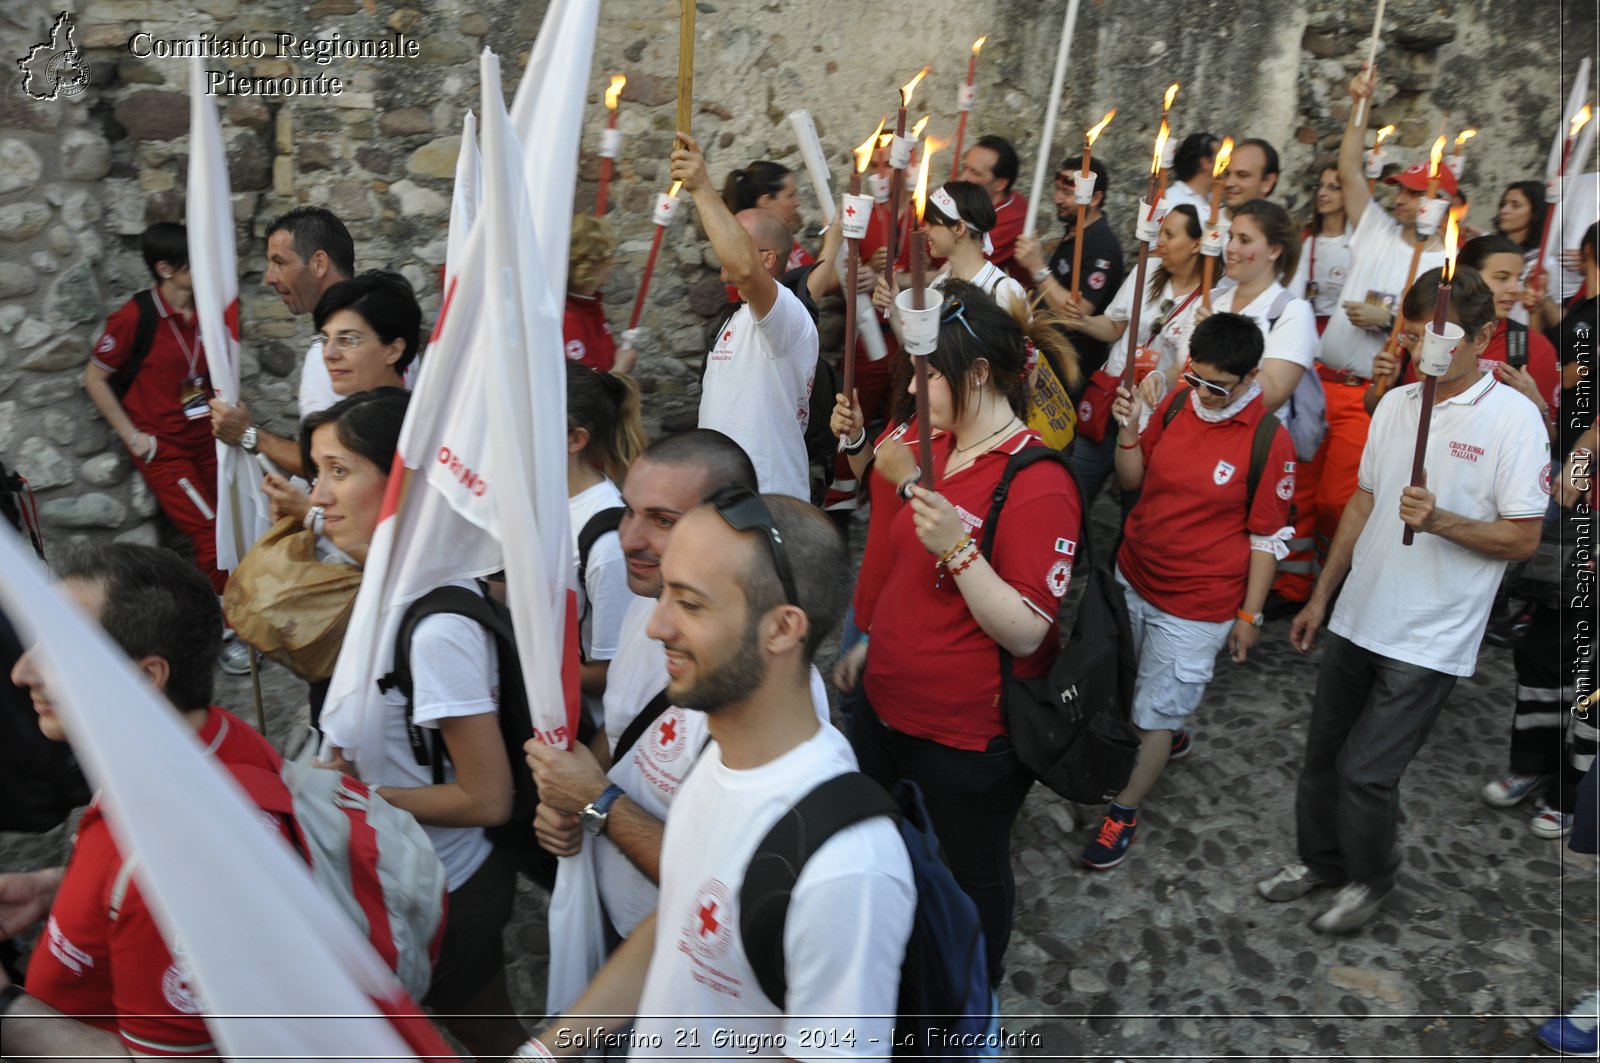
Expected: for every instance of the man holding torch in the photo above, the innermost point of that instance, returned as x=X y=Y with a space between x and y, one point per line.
x=759 y=371
x=1409 y=618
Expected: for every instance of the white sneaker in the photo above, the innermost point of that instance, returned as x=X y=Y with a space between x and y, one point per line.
x=1353 y=906
x=1510 y=790
x=1289 y=884
x=1549 y=823
x=235 y=659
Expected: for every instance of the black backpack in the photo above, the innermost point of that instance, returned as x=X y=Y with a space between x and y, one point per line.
x=601 y=524
x=19 y=510
x=1070 y=727
x=122 y=379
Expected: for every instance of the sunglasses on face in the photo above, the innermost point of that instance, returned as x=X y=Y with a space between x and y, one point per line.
x=744 y=511
x=1198 y=382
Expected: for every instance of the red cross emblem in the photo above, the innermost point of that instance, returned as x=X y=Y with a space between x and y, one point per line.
x=726 y=336
x=708 y=920
x=850 y=210
x=669 y=731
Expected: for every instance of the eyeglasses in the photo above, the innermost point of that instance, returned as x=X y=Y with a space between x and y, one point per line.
x=954 y=310
x=347 y=341
x=744 y=511
x=1194 y=380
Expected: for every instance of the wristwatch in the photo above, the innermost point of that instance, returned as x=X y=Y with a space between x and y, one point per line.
x=248 y=438
x=596 y=812
x=1255 y=619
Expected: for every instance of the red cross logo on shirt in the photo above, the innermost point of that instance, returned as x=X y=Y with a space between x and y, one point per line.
x=726 y=336
x=708 y=919
x=669 y=731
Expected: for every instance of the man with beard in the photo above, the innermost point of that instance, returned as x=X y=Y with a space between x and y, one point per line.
x=751 y=585
x=650 y=742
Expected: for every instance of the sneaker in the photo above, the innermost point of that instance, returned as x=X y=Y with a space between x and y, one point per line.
x=1290 y=884
x=235 y=655
x=1574 y=1033
x=1511 y=790
x=1549 y=823
x=1182 y=745
x=1352 y=907
x=1110 y=846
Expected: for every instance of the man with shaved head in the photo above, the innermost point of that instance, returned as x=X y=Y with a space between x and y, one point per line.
x=759 y=371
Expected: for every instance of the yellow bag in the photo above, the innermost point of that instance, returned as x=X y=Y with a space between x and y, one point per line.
x=289 y=605
x=1052 y=414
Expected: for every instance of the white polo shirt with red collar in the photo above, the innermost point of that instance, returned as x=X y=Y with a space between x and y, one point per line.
x=1488 y=459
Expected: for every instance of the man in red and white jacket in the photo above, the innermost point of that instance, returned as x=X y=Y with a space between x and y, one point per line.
x=1199 y=552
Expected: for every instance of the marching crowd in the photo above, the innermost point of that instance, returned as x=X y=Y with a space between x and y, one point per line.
x=1256 y=429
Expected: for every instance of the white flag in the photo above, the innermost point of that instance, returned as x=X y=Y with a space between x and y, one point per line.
x=242 y=508
x=296 y=955
x=464 y=197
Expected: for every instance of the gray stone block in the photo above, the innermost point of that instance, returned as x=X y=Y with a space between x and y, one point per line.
x=93 y=510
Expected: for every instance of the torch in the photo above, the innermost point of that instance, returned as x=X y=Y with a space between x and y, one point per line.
x=905 y=224
x=1438 y=345
x=964 y=102
x=855 y=215
x=1375 y=159
x=1553 y=190
x=610 y=142
x=899 y=159
x=666 y=207
x=1429 y=212
x=1457 y=162
x=1165 y=162
x=1083 y=194
x=1149 y=228
x=920 y=322
x=1216 y=236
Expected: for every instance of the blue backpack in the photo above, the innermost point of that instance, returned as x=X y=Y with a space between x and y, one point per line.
x=945 y=1010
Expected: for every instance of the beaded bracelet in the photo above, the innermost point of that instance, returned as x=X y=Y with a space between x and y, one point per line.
x=961 y=544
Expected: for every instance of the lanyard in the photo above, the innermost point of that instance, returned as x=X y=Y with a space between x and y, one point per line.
x=193 y=358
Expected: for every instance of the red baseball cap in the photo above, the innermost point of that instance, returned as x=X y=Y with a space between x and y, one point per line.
x=1416 y=179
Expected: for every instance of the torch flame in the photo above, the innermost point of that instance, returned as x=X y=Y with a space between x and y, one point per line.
x=673 y=191
x=911 y=86
x=920 y=196
x=1224 y=155
x=617 y=81
x=1464 y=136
x=1452 y=236
x=1161 y=145
x=1172 y=92
x=885 y=139
x=1580 y=120
x=1383 y=134
x=921 y=124
x=977 y=45
x=863 y=153
x=1435 y=156
x=1095 y=131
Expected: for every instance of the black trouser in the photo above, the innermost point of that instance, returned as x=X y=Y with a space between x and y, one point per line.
x=972 y=798
x=1545 y=738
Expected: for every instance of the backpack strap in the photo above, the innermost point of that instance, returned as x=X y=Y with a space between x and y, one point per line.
x=637 y=726
x=143 y=338
x=1020 y=460
x=770 y=878
x=1260 y=448
x=1280 y=303
x=598 y=525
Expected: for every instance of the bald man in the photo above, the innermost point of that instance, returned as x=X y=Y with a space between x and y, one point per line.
x=759 y=371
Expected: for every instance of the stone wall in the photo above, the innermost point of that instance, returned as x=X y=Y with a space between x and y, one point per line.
x=81 y=177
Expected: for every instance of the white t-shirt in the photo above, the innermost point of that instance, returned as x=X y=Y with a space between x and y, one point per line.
x=1172 y=343
x=1379 y=259
x=757 y=390
x=995 y=282
x=845 y=935
x=1181 y=192
x=655 y=767
x=604 y=597
x=1326 y=260
x=316 y=386
x=1488 y=459
x=1293 y=338
x=455 y=672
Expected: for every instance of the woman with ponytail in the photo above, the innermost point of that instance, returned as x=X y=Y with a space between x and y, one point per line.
x=771 y=186
x=604 y=435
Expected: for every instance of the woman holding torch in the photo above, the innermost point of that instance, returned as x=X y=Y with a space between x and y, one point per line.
x=931 y=664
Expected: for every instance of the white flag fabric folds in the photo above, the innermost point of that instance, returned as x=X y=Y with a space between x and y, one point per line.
x=297 y=954
x=242 y=508
x=464 y=197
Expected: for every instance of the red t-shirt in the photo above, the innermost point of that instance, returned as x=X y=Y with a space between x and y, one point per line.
x=119 y=976
x=588 y=333
x=932 y=671
x=1187 y=546
x=154 y=401
x=1542 y=364
x=1009 y=216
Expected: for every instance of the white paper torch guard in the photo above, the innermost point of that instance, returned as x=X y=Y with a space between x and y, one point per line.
x=666 y=207
x=900 y=152
x=1375 y=161
x=1430 y=214
x=1437 y=349
x=878 y=185
x=1457 y=165
x=966 y=96
x=610 y=143
x=855 y=216
x=1083 y=188
x=1150 y=225
x=1215 y=239
x=919 y=327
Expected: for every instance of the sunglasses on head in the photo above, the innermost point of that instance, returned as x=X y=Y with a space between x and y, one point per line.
x=953 y=310
x=1198 y=382
x=744 y=511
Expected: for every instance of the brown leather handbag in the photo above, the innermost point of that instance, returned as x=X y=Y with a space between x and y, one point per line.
x=290 y=605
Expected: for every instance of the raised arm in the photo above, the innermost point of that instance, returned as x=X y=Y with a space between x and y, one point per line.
x=1352 y=172
x=743 y=262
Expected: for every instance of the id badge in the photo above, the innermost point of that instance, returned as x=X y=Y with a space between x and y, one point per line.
x=196 y=403
x=1311 y=290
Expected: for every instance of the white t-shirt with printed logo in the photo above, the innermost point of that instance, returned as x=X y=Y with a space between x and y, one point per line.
x=757 y=390
x=655 y=767
x=1488 y=459
x=1379 y=259
x=1326 y=260
x=604 y=598
x=844 y=939
x=1173 y=342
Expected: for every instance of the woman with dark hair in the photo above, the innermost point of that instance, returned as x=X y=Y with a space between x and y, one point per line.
x=1319 y=277
x=604 y=435
x=771 y=186
x=1520 y=217
x=930 y=666
x=350 y=447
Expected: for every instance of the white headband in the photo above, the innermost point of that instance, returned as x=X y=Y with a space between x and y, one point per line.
x=947 y=206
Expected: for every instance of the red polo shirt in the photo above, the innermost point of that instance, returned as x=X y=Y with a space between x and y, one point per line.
x=154 y=401
x=1187 y=546
x=588 y=333
x=932 y=671
x=1009 y=215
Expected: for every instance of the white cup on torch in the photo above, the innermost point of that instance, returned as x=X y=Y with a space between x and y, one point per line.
x=1438 y=348
x=919 y=325
x=1430 y=215
x=1150 y=221
x=1457 y=165
x=1083 y=187
x=1375 y=161
x=878 y=185
x=966 y=96
x=666 y=208
x=900 y=152
x=1214 y=241
x=855 y=213
x=610 y=143
x=1169 y=153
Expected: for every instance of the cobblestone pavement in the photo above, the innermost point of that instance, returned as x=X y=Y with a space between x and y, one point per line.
x=1172 y=955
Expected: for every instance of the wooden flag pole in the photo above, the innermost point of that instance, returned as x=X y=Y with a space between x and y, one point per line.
x=685 y=63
